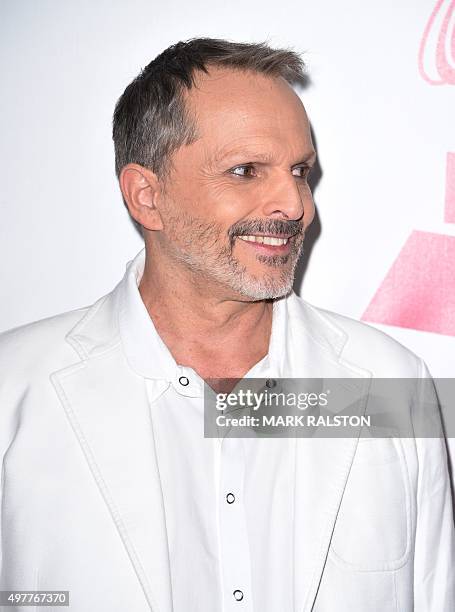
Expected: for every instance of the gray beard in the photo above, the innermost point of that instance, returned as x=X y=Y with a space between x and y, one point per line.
x=230 y=273
x=195 y=244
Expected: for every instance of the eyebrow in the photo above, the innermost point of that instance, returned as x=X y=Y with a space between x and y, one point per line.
x=309 y=157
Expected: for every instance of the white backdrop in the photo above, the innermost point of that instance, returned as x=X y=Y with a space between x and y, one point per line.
x=383 y=127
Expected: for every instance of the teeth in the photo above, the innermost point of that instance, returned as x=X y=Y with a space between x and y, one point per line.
x=265 y=240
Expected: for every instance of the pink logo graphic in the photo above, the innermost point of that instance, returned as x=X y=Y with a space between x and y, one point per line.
x=419 y=290
x=437 y=48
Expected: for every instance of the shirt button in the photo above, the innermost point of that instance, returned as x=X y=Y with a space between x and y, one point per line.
x=230 y=498
x=270 y=383
x=183 y=380
x=238 y=595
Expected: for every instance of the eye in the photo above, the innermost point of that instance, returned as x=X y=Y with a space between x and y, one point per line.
x=302 y=171
x=244 y=171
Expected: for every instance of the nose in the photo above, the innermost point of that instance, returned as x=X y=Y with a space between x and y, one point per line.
x=289 y=197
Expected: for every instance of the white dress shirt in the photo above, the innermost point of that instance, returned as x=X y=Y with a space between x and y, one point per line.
x=229 y=502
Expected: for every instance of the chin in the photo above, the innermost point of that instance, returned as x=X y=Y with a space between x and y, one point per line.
x=265 y=291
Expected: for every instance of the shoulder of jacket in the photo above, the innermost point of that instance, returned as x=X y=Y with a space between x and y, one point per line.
x=38 y=345
x=370 y=347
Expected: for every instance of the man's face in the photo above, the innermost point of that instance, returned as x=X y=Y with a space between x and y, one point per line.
x=237 y=200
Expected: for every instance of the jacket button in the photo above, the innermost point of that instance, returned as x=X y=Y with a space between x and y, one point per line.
x=183 y=380
x=238 y=595
x=270 y=383
x=230 y=498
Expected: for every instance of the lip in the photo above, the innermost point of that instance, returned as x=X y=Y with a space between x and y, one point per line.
x=274 y=235
x=270 y=249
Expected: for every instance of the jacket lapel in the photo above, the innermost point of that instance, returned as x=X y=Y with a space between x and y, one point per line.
x=322 y=464
x=107 y=407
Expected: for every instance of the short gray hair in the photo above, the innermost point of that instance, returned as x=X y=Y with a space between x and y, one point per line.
x=151 y=120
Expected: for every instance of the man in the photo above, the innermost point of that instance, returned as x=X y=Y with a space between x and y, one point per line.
x=110 y=489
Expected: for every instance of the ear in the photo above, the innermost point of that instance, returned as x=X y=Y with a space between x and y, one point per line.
x=141 y=191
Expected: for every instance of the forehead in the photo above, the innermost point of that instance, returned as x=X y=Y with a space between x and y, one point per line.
x=233 y=105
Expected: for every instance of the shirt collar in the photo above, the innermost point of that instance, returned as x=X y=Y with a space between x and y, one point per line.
x=145 y=351
x=149 y=356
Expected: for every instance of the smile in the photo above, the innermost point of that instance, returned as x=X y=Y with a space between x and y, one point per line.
x=269 y=240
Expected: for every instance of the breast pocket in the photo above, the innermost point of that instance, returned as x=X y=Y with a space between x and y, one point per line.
x=372 y=530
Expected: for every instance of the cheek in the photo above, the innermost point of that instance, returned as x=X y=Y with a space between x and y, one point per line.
x=230 y=205
x=207 y=198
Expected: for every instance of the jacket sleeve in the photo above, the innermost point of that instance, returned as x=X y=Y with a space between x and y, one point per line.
x=434 y=560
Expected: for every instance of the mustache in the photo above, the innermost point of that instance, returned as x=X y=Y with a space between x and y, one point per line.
x=265 y=226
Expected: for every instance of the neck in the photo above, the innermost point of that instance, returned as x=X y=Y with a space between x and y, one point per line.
x=216 y=333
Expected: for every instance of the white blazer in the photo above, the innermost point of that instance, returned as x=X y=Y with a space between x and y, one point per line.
x=81 y=506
